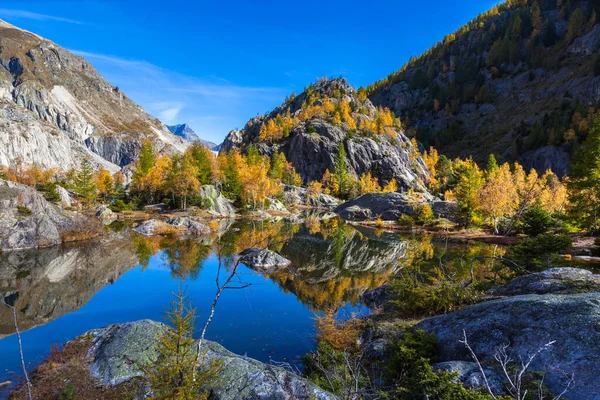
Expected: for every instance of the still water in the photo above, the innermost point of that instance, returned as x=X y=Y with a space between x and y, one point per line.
x=64 y=292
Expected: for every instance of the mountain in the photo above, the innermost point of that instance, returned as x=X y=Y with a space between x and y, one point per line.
x=310 y=128
x=521 y=81
x=55 y=108
x=185 y=132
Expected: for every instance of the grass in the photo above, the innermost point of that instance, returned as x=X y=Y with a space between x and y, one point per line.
x=67 y=370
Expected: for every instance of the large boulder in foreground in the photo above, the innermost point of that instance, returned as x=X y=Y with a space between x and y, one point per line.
x=216 y=203
x=119 y=349
x=27 y=220
x=526 y=323
x=553 y=280
x=390 y=206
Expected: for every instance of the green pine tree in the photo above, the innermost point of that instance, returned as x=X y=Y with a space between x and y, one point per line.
x=179 y=372
x=584 y=181
x=85 y=183
x=147 y=157
x=340 y=169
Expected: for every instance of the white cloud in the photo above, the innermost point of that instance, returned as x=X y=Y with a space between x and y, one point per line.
x=212 y=105
x=12 y=13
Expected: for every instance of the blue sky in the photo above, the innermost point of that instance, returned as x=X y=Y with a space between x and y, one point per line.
x=215 y=64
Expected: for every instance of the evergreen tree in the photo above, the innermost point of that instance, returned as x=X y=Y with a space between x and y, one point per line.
x=85 y=182
x=277 y=165
x=584 y=182
x=340 y=170
x=467 y=191
x=253 y=157
x=203 y=160
x=550 y=35
x=147 y=158
x=492 y=164
x=179 y=372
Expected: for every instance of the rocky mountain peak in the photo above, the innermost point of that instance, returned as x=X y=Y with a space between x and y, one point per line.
x=185 y=132
x=57 y=109
x=310 y=127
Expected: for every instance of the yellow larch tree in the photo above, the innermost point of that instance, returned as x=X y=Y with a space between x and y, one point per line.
x=498 y=197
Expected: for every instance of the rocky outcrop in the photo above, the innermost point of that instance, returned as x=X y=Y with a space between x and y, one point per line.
x=263 y=259
x=181 y=226
x=378 y=297
x=215 y=203
x=553 y=158
x=56 y=109
x=526 y=323
x=299 y=196
x=118 y=350
x=390 y=206
x=469 y=374
x=554 y=280
x=313 y=142
x=27 y=220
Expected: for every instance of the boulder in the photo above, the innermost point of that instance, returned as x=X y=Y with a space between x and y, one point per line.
x=553 y=280
x=526 y=323
x=390 y=206
x=105 y=214
x=377 y=297
x=150 y=227
x=65 y=198
x=298 y=195
x=216 y=203
x=118 y=350
x=27 y=220
x=254 y=257
x=189 y=226
x=470 y=376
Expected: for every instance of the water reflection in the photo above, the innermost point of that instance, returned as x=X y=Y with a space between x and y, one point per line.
x=67 y=291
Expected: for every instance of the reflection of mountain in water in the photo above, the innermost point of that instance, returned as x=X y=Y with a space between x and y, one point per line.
x=326 y=272
x=50 y=283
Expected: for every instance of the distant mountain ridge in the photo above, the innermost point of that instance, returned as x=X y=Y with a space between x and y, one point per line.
x=521 y=81
x=185 y=132
x=56 y=108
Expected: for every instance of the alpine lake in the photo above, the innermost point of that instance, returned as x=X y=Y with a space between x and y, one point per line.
x=60 y=293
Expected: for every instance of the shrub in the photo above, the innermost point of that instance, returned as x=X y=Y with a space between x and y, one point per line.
x=119 y=206
x=535 y=221
x=379 y=222
x=406 y=221
x=539 y=252
x=24 y=211
x=423 y=214
x=311 y=129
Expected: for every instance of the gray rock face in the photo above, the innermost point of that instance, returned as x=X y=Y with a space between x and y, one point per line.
x=587 y=44
x=27 y=220
x=554 y=280
x=299 y=196
x=118 y=349
x=470 y=375
x=217 y=203
x=56 y=109
x=526 y=323
x=546 y=158
x=65 y=197
x=263 y=259
x=389 y=207
x=313 y=144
